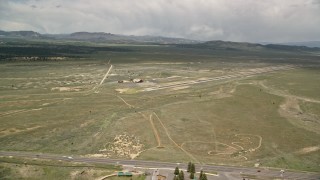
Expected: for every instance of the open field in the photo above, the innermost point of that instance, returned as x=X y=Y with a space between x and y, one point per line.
x=193 y=105
x=27 y=168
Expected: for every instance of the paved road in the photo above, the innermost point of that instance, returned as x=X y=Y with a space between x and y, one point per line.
x=223 y=170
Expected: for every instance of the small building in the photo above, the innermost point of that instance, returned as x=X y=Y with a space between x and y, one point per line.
x=126 y=174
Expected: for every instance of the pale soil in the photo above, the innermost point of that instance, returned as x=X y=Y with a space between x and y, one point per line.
x=124 y=145
x=155 y=131
x=68 y=89
x=123 y=90
x=169 y=136
x=15 y=130
x=238 y=149
x=307 y=150
x=129 y=105
x=180 y=87
x=290 y=109
x=285 y=94
x=97 y=155
x=127 y=90
x=18 y=112
x=86 y=123
x=204 y=70
x=29 y=172
x=222 y=93
x=88 y=174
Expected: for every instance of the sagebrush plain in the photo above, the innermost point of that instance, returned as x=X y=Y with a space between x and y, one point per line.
x=211 y=106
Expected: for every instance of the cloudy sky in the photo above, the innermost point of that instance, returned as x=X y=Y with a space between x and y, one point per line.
x=234 y=20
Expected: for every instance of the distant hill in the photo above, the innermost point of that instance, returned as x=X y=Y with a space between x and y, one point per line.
x=102 y=37
x=241 y=46
x=97 y=37
x=24 y=34
x=306 y=43
x=108 y=37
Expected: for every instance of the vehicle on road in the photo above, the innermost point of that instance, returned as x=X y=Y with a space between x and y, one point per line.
x=69 y=157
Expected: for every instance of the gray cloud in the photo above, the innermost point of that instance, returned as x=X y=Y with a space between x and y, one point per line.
x=235 y=20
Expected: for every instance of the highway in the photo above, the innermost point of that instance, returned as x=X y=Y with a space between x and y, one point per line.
x=264 y=172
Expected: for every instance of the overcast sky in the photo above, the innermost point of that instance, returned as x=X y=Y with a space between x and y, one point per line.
x=234 y=20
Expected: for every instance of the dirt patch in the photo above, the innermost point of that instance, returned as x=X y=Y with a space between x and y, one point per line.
x=291 y=106
x=11 y=131
x=29 y=172
x=124 y=145
x=223 y=92
x=180 y=87
x=173 y=77
x=291 y=110
x=98 y=155
x=122 y=90
x=247 y=143
x=204 y=70
x=68 y=89
x=88 y=174
x=285 y=93
x=307 y=150
x=86 y=123
x=127 y=90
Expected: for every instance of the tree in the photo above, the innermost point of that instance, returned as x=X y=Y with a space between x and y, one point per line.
x=176 y=178
x=181 y=175
x=200 y=176
x=189 y=167
x=191 y=175
x=193 y=168
x=204 y=176
x=176 y=171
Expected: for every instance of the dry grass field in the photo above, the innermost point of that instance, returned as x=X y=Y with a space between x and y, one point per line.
x=213 y=112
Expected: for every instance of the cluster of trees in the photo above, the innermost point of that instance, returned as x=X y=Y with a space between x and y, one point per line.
x=202 y=176
x=33 y=51
x=191 y=169
x=179 y=175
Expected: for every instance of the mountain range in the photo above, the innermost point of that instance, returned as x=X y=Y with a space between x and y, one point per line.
x=244 y=46
x=96 y=37
x=304 y=43
x=181 y=42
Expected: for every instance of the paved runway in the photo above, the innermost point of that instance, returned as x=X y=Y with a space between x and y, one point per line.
x=243 y=74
